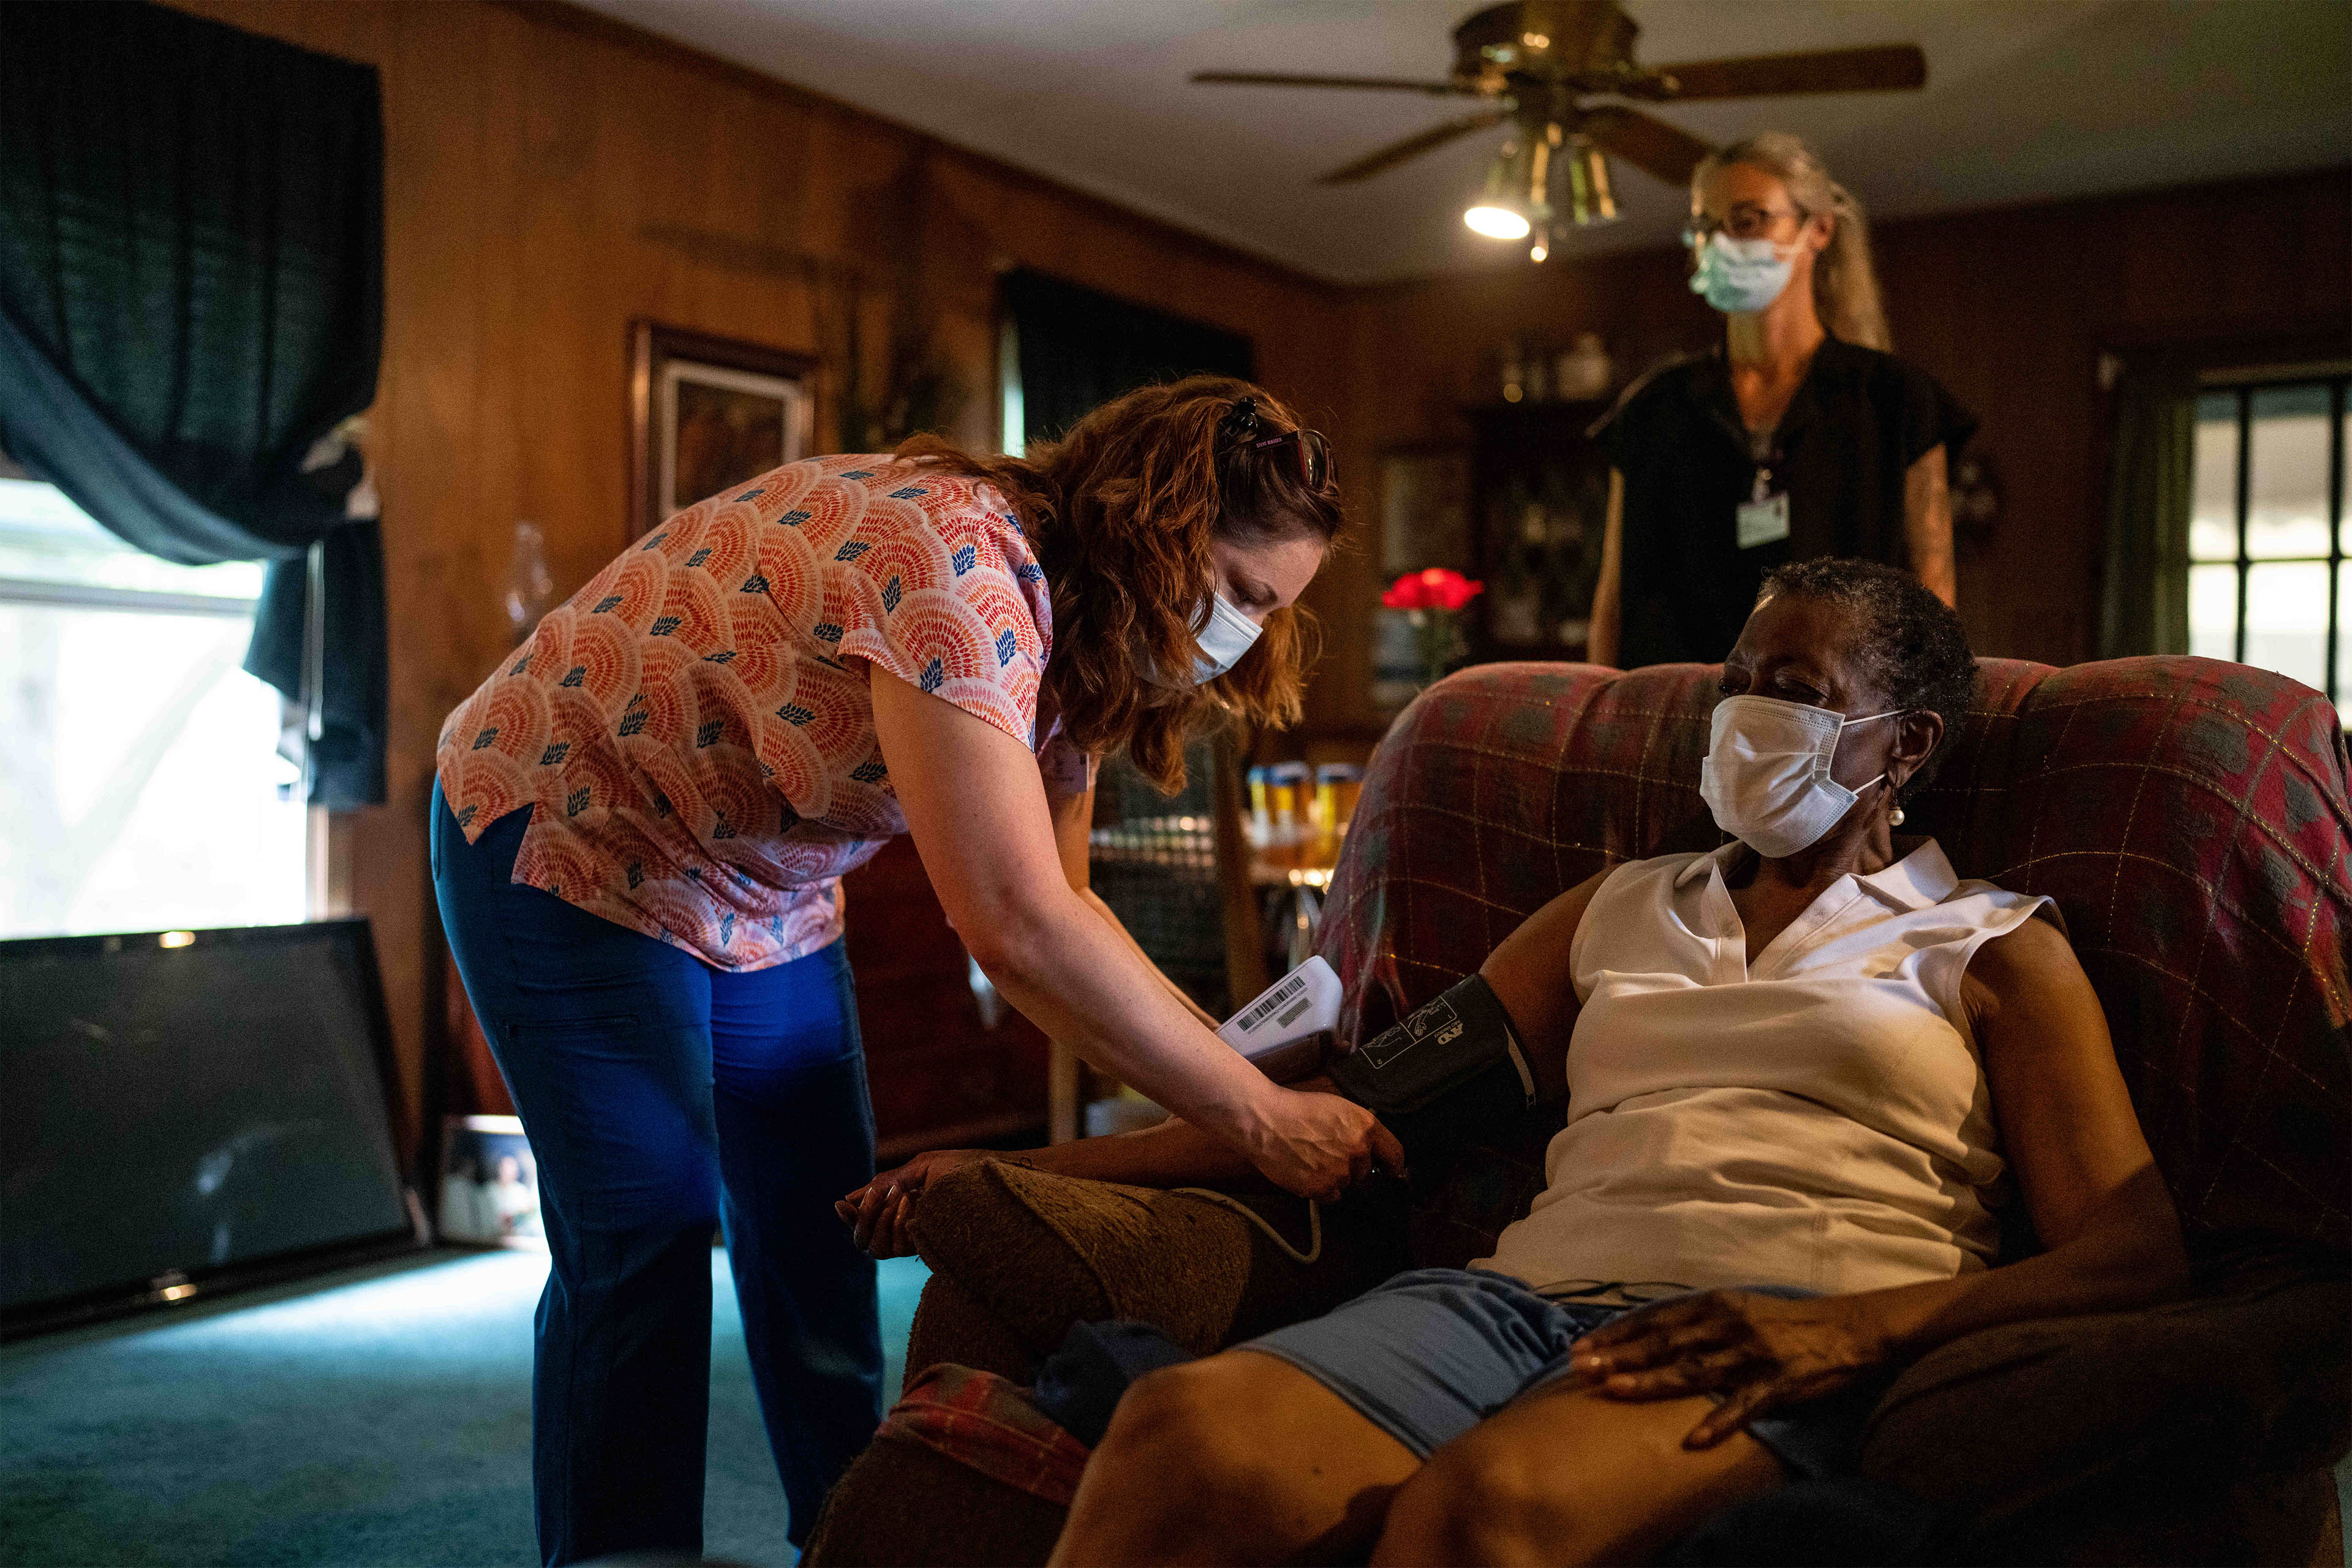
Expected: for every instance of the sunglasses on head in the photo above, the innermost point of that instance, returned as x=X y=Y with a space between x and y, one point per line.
x=1240 y=426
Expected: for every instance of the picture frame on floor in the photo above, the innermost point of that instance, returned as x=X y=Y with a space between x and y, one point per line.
x=708 y=412
x=490 y=1184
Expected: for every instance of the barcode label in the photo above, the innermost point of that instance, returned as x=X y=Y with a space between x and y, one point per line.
x=1271 y=1000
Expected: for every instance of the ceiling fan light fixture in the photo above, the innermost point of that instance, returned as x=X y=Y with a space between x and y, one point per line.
x=1496 y=222
x=1589 y=199
x=1514 y=201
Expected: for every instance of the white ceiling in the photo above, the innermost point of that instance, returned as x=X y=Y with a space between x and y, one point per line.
x=2026 y=100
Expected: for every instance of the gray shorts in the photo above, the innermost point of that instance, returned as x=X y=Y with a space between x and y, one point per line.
x=1433 y=1352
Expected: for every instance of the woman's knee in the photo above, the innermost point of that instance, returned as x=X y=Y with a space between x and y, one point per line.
x=1181 y=1424
x=1476 y=1502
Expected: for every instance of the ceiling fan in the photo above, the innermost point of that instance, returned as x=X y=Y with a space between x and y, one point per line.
x=1534 y=62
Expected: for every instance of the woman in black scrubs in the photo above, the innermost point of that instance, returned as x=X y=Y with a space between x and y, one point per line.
x=1798 y=435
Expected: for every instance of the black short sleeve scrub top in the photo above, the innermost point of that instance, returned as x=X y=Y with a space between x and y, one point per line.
x=1831 y=475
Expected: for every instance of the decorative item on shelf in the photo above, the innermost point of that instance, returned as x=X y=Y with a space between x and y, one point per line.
x=1583 y=372
x=1336 y=787
x=1526 y=371
x=1433 y=601
x=531 y=586
x=1280 y=801
x=1976 y=500
x=1512 y=363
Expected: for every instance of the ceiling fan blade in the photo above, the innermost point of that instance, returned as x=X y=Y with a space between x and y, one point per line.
x=1886 y=67
x=1414 y=146
x=1381 y=83
x=1649 y=143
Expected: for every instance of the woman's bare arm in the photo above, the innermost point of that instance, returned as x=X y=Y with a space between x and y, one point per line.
x=1605 y=637
x=1928 y=524
x=1172 y=1153
x=1073 y=815
x=2088 y=1180
x=2083 y=1165
x=976 y=808
x=1529 y=971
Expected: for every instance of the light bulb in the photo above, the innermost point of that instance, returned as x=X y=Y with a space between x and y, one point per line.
x=1497 y=223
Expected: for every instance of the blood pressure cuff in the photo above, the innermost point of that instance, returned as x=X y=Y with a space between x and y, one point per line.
x=1450 y=1073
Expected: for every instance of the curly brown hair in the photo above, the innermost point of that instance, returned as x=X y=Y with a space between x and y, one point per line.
x=1123 y=510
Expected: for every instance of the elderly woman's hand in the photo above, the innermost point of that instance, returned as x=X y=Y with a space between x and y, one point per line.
x=1758 y=1353
x=878 y=1213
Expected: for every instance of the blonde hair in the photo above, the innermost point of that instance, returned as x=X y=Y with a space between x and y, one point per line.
x=1846 y=284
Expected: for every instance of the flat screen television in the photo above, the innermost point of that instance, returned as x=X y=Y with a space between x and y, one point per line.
x=184 y=1111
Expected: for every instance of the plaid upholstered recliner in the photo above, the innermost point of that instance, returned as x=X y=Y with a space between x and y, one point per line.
x=2190 y=819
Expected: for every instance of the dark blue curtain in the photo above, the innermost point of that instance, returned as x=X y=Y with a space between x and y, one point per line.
x=191 y=296
x=1079 y=349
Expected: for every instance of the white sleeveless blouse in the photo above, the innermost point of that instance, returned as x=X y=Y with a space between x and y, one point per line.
x=1817 y=1119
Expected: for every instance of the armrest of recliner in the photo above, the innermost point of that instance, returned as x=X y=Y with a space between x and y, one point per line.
x=1036 y=1252
x=2247 y=1382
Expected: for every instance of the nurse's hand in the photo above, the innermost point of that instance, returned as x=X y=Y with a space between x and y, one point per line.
x=1318 y=1145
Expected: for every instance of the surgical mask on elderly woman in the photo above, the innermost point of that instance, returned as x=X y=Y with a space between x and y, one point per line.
x=1741 y=277
x=1767 y=773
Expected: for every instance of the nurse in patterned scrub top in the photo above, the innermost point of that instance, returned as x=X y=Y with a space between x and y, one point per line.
x=641 y=821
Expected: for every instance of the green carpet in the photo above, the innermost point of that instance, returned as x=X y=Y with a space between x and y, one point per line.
x=377 y=1416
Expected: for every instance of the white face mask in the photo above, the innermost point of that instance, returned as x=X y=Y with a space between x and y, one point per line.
x=1767 y=773
x=1741 y=277
x=1222 y=642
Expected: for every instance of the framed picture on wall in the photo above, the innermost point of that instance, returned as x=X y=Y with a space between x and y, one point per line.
x=1425 y=509
x=706 y=413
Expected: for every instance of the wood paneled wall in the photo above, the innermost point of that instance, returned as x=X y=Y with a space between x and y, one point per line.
x=2010 y=308
x=549 y=177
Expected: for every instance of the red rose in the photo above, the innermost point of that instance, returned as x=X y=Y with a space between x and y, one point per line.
x=1437 y=588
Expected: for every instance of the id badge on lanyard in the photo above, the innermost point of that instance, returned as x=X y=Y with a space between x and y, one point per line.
x=1764 y=516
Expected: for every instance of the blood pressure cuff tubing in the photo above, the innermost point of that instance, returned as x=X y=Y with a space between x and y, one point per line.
x=1450 y=1073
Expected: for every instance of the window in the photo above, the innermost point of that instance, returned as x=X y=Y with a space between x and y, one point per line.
x=2270 y=531
x=141 y=783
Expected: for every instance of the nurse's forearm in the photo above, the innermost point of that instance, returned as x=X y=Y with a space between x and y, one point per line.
x=1118 y=928
x=1072 y=975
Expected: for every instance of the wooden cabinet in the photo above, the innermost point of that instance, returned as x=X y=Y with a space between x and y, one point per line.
x=1538 y=507
x=941 y=1073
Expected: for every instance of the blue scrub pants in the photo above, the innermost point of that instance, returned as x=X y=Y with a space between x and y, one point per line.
x=664 y=1098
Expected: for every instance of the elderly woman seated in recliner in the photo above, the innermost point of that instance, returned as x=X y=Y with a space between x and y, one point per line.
x=1800 y=1071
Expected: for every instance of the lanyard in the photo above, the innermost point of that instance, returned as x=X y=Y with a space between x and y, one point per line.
x=1762 y=488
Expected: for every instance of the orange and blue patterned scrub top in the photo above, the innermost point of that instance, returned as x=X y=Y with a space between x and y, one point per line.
x=693 y=728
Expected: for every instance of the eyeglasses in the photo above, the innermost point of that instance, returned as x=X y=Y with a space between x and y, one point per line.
x=1240 y=426
x=1745 y=221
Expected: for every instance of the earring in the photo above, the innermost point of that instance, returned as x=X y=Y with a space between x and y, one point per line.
x=1894 y=817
